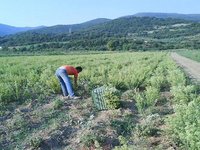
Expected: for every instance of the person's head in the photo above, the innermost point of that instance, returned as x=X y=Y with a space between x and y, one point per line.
x=79 y=69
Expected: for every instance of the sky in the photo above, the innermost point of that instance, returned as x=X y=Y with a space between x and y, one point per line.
x=31 y=13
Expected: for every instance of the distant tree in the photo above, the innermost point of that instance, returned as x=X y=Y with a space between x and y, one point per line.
x=4 y=48
x=112 y=45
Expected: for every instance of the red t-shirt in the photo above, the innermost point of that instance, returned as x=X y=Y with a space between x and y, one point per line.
x=71 y=70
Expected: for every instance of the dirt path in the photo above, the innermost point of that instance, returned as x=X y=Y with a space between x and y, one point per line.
x=190 y=66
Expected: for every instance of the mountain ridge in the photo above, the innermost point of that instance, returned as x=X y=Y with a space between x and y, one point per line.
x=8 y=29
x=56 y=29
x=125 y=33
x=60 y=29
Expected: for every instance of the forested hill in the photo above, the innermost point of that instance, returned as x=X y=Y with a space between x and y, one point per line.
x=65 y=29
x=6 y=29
x=135 y=33
x=190 y=17
x=57 y=29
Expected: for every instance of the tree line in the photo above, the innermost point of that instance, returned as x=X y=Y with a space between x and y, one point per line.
x=129 y=33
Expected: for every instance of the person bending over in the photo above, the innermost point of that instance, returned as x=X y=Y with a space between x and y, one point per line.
x=62 y=74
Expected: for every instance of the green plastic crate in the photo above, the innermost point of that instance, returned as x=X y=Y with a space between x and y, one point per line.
x=98 y=99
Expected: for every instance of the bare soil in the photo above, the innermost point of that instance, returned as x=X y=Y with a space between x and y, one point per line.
x=191 y=67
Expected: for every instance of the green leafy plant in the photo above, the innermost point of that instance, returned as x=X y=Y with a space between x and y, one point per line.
x=185 y=126
x=147 y=99
x=149 y=126
x=123 y=144
x=57 y=104
x=92 y=139
x=112 y=97
x=152 y=95
x=124 y=126
x=35 y=142
x=183 y=94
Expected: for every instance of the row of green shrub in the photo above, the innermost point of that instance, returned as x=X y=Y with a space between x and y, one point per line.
x=184 y=125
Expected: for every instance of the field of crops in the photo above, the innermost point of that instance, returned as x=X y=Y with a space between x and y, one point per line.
x=192 y=54
x=159 y=107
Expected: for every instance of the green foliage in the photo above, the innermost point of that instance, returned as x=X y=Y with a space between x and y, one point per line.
x=152 y=94
x=124 y=144
x=149 y=126
x=111 y=97
x=132 y=33
x=92 y=139
x=112 y=45
x=185 y=126
x=158 y=81
x=33 y=77
x=124 y=126
x=120 y=85
x=50 y=81
x=140 y=102
x=35 y=142
x=183 y=94
x=6 y=94
x=122 y=140
x=176 y=77
x=147 y=99
x=192 y=54
x=158 y=78
x=17 y=122
x=57 y=104
x=24 y=79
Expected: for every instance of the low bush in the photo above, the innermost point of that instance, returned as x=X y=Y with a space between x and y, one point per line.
x=112 y=97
